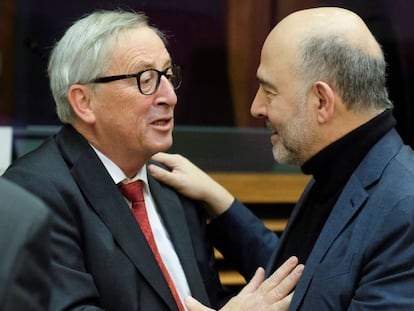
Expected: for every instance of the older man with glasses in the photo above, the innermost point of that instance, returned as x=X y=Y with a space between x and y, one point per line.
x=120 y=240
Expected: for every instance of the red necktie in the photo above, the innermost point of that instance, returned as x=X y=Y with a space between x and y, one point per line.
x=133 y=192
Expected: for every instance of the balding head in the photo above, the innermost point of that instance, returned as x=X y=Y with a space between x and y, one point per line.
x=334 y=45
x=321 y=75
x=326 y=22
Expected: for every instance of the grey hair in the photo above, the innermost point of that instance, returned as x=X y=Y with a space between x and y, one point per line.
x=84 y=52
x=358 y=77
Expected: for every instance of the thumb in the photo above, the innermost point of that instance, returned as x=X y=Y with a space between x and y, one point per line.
x=158 y=172
x=193 y=305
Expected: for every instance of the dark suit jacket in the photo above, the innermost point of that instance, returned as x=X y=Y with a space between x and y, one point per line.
x=24 y=250
x=364 y=256
x=101 y=259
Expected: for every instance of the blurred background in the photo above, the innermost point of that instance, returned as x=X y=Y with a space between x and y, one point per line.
x=217 y=42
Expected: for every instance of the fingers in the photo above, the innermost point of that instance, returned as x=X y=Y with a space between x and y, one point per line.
x=170 y=160
x=283 y=305
x=255 y=282
x=159 y=173
x=165 y=158
x=193 y=305
x=174 y=161
x=287 y=285
x=275 y=293
x=281 y=273
x=283 y=280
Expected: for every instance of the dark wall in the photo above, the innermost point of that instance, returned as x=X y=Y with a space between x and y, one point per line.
x=196 y=32
x=198 y=42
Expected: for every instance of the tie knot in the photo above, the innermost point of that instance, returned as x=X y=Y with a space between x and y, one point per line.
x=132 y=191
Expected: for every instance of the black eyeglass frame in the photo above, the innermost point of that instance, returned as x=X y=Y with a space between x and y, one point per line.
x=176 y=76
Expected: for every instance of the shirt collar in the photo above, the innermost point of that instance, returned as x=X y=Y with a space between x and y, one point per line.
x=116 y=173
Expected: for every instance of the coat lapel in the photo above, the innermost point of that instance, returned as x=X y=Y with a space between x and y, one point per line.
x=351 y=200
x=105 y=199
x=172 y=212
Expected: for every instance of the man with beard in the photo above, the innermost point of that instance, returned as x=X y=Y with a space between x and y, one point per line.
x=322 y=93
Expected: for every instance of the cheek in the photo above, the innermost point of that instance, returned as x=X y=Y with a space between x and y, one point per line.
x=131 y=105
x=141 y=111
x=278 y=112
x=127 y=115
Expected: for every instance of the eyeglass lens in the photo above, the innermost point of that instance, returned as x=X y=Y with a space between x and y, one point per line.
x=149 y=80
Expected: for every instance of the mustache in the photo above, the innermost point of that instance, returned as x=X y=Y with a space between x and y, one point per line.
x=269 y=126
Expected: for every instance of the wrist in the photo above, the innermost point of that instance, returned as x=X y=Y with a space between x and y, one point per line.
x=218 y=201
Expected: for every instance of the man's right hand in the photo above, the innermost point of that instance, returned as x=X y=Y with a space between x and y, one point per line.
x=274 y=293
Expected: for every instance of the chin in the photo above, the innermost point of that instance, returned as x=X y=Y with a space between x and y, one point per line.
x=162 y=146
x=281 y=155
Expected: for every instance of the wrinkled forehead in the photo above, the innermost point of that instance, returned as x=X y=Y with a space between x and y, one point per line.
x=142 y=38
x=141 y=46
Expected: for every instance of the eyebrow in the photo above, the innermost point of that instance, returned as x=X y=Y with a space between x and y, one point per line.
x=265 y=83
x=149 y=65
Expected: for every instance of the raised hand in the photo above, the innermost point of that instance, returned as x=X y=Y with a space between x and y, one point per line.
x=274 y=293
x=191 y=181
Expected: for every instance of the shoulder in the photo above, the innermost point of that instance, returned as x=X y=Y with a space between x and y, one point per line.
x=19 y=206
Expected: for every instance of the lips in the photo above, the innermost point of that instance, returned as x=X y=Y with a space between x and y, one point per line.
x=163 y=123
x=270 y=127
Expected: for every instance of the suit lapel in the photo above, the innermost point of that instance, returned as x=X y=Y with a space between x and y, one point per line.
x=350 y=201
x=105 y=199
x=172 y=212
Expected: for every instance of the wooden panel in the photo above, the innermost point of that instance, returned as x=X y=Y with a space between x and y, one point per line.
x=231 y=278
x=248 y=23
x=263 y=187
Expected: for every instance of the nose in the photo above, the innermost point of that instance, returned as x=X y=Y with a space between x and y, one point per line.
x=258 y=107
x=166 y=93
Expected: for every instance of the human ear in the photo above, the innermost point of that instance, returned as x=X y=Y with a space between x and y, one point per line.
x=326 y=101
x=79 y=97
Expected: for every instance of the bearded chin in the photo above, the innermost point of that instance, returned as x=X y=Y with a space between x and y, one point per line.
x=280 y=153
x=283 y=155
